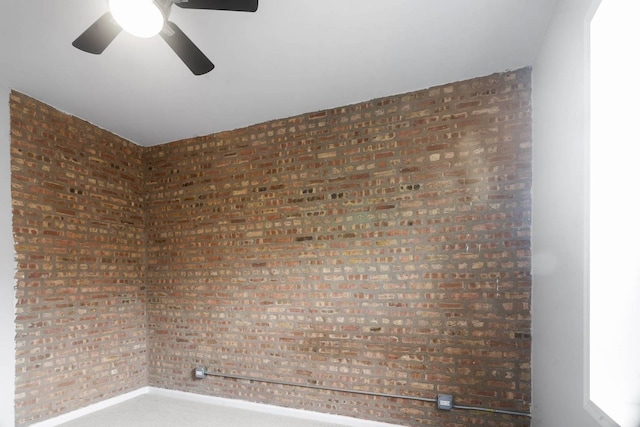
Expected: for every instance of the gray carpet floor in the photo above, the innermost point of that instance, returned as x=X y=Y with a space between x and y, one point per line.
x=159 y=411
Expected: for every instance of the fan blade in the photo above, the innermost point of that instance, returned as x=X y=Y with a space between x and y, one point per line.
x=188 y=52
x=235 y=5
x=97 y=37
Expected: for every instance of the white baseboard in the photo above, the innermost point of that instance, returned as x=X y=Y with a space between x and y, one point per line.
x=269 y=409
x=212 y=400
x=70 y=416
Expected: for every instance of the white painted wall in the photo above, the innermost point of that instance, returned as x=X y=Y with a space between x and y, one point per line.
x=7 y=269
x=7 y=265
x=559 y=235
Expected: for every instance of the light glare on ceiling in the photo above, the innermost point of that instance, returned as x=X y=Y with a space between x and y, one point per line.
x=142 y=18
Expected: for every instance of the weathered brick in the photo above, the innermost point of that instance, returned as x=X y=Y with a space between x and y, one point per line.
x=460 y=153
x=382 y=246
x=75 y=207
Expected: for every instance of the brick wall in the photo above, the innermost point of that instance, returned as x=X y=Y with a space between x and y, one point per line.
x=382 y=246
x=79 y=237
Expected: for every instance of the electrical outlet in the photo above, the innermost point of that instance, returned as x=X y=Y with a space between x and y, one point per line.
x=445 y=401
x=200 y=372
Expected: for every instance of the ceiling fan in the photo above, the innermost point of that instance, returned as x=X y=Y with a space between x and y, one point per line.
x=129 y=14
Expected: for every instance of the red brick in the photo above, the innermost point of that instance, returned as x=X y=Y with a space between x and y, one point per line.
x=382 y=246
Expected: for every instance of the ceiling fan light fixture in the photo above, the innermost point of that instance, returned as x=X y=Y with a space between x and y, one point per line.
x=146 y=18
x=141 y=18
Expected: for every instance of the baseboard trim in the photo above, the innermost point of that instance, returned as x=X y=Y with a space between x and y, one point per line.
x=270 y=409
x=95 y=407
x=212 y=400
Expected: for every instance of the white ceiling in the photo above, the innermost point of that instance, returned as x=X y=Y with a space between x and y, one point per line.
x=290 y=57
